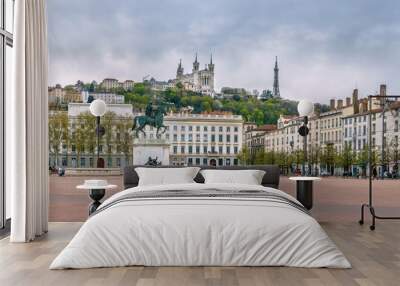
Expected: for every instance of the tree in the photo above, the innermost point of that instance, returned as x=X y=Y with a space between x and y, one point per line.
x=284 y=160
x=108 y=122
x=346 y=158
x=393 y=154
x=314 y=157
x=298 y=158
x=79 y=137
x=89 y=122
x=362 y=160
x=244 y=156
x=124 y=138
x=58 y=133
x=270 y=158
x=260 y=157
x=328 y=158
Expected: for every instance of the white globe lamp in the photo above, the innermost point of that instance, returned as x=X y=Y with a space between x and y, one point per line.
x=305 y=108
x=98 y=107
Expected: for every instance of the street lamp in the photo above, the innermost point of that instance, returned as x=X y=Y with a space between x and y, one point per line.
x=98 y=108
x=305 y=109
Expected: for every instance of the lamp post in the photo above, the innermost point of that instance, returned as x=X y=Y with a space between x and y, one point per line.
x=98 y=108
x=305 y=108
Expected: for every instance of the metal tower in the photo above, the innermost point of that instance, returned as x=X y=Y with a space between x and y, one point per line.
x=276 y=92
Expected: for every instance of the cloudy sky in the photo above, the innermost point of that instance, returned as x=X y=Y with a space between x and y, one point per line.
x=325 y=48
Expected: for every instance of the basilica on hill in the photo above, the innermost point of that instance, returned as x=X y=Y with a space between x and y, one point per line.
x=199 y=80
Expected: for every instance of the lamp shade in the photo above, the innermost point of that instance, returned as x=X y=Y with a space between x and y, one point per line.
x=98 y=107
x=305 y=108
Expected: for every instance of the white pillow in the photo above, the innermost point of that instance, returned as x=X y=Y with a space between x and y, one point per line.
x=248 y=177
x=166 y=176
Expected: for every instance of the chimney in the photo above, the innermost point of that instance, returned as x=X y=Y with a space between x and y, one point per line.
x=362 y=107
x=348 y=101
x=332 y=105
x=340 y=104
x=365 y=103
x=382 y=90
x=355 y=101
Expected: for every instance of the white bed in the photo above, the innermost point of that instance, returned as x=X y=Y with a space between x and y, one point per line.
x=202 y=231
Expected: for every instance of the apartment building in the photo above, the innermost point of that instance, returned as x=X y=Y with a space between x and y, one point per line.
x=254 y=136
x=345 y=124
x=112 y=83
x=108 y=98
x=58 y=95
x=194 y=139
x=79 y=149
x=384 y=133
x=202 y=139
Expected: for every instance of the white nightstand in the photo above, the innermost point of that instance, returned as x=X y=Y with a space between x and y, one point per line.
x=97 y=190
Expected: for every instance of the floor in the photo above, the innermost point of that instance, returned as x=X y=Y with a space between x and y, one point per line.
x=375 y=257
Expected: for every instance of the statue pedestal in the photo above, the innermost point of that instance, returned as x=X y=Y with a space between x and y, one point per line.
x=154 y=148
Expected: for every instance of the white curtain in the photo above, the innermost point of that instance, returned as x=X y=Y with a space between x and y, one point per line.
x=27 y=116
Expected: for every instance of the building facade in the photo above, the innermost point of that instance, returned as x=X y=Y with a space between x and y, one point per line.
x=79 y=147
x=199 y=80
x=112 y=83
x=108 y=98
x=194 y=139
x=202 y=139
x=344 y=126
x=58 y=95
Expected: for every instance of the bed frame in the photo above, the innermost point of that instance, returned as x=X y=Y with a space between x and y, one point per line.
x=270 y=179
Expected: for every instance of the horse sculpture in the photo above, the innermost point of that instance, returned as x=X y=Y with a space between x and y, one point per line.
x=152 y=117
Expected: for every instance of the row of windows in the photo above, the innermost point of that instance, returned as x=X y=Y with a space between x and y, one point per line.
x=348 y=132
x=360 y=119
x=205 y=128
x=204 y=150
x=330 y=123
x=213 y=138
x=85 y=162
x=206 y=161
x=82 y=150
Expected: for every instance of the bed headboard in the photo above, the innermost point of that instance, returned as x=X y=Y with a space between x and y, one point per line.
x=270 y=179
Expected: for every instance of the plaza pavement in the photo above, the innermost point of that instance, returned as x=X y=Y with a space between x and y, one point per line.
x=335 y=199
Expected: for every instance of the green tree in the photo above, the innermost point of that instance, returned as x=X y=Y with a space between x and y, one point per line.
x=89 y=127
x=124 y=138
x=362 y=160
x=244 y=156
x=298 y=158
x=270 y=157
x=79 y=138
x=108 y=122
x=329 y=157
x=260 y=157
x=58 y=133
x=314 y=158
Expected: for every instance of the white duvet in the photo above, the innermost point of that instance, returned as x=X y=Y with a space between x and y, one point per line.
x=200 y=231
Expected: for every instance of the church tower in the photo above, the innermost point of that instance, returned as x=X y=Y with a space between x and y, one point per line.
x=179 y=71
x=211 y=65
x=275 y=91
x=196 y=65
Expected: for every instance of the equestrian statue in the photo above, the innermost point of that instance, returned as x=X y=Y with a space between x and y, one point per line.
x=154 y=116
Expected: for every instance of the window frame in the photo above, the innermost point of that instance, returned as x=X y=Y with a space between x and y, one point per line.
x=6 y=40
